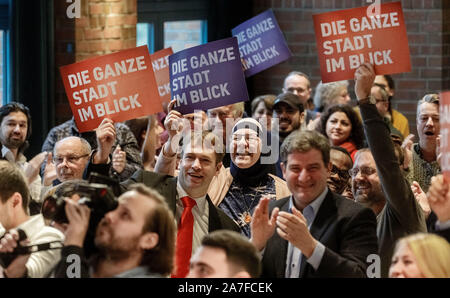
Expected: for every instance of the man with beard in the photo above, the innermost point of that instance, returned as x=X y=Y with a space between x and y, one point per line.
x=186 y=194
x=290 y=113
x=137 y=239
x=15 y=130
x=377 y=179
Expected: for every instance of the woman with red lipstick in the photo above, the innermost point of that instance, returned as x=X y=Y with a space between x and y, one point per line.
x=342 y=126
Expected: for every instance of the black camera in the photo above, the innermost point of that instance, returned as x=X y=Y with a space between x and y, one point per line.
x=99 y=197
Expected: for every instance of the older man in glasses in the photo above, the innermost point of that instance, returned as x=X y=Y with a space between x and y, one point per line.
x=377 y=179
x=70 y=157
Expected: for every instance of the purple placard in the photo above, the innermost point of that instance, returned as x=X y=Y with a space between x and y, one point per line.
x=207 y=76
x=261 y=43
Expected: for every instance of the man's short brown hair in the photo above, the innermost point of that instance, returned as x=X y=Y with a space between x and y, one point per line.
x=241 y=253
x=208 y=140
x=12 y=180
x=304 y=141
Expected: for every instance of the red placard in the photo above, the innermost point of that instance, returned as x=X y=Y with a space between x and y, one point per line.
x=160 y=62
x=444 y=116
x=347 y=38
x=118 y=86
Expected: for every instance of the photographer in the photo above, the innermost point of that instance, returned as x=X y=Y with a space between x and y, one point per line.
x=137 y=239
x=14 y=215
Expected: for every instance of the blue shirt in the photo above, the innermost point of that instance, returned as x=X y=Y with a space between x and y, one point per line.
x=294 y=255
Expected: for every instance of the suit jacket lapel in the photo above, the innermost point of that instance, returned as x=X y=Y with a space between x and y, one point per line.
x=213 y=218
x=281 y=247
x=169 y=191
x=325 y=216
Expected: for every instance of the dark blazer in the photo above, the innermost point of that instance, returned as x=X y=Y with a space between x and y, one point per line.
x=166 y=185
x=345 y=228
x=444 y=233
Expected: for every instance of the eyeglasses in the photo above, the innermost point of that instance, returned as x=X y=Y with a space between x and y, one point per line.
x=380 y=100
x=247 y=138
x=341 y=173
x=57 y=160
x=366 y=171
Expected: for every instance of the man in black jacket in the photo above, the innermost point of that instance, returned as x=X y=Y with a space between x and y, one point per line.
x=319 y=233
x=200 y=162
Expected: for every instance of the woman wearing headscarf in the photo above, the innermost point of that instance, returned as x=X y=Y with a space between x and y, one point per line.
x=237 y=189
x=249 y=177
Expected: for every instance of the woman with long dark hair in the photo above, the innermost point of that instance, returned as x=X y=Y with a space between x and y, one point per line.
x=342 y=126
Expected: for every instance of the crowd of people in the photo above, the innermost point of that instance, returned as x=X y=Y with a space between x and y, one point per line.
x=308 y=186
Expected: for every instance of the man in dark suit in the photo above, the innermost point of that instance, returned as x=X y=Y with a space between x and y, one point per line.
x=200 y=162
x=319 y=233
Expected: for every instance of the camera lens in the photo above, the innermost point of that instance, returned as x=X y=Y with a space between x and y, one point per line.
x=49 y=207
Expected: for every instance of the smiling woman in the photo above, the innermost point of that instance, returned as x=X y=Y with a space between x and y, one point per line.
x=249 y=179
x=342 y=126
x=421 y=256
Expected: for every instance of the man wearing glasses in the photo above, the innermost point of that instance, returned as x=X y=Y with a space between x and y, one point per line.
x=377 y=179
x=341 y=162
x=70 y=157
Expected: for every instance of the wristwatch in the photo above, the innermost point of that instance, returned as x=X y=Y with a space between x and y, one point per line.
x=368 y=100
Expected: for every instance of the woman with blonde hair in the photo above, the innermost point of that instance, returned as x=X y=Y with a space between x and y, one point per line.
x=421 y=255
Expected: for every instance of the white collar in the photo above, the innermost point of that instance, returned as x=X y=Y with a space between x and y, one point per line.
x=201 y=201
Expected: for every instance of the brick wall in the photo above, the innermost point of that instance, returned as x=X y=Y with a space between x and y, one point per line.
x=427 y=35
x=105 y=26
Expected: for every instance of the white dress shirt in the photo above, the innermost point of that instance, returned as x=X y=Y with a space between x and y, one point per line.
x=294 y=255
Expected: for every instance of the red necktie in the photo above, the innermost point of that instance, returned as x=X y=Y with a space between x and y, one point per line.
x=184 y=239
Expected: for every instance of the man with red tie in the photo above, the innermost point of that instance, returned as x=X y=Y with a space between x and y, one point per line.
x=186 y=195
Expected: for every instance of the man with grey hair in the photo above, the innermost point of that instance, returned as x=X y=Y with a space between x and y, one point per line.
x=318 y=233
x=328 y=94
x=423 y=155
x=68 y=161
x=298 y=83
